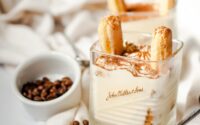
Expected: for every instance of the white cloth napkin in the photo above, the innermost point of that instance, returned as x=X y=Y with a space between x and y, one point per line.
x=36 y=34
x=79 y=113
x=64 y=118
x=39 y=24
x=188 y=30
x=36 y=31
x=18 y=42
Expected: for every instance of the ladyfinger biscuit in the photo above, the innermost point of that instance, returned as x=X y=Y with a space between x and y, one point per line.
x=166 y=6
x=161 y=45
x=116 y=6
x=110 y=35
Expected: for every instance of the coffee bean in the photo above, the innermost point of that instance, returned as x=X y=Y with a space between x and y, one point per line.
x=45 y=79
x=39 y=81
x=75 y=123
x=35 y=92
x=48 y=84
x=30 y=91
x=40 y=87
x=53 y=89
x=28 y=86
x=49 y=97
x=61 y=91
x=24 y=94
x=67 y=81
x=57 y=82
x=63 y=86
x=37 y=98
x=29 y=96
x=65 y=78
x=85 y=122
x=43 y=93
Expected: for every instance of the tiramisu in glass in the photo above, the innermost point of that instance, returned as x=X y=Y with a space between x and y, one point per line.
x=144 y=15
x=134 y=76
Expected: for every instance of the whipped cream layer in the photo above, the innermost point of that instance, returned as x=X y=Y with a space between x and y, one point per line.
x=150 y=23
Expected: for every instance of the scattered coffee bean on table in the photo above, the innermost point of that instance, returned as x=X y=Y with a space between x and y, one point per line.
x=85 y=122
x=75 y=123
x=45 y=90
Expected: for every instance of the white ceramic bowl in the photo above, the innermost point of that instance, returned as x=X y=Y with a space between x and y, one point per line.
x=54 y=66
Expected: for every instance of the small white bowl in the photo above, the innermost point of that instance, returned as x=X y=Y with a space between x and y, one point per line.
x=54 y=66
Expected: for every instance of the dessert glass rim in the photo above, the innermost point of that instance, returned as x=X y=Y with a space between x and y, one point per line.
x=178 y=49
x=146 y=13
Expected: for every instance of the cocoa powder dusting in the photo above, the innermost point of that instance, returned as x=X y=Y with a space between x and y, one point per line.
x=136 y=63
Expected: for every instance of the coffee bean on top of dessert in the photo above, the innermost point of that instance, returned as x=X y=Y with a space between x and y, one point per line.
x=45 y=90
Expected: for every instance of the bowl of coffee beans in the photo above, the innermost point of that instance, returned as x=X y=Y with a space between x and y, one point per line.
x=45 y=90
x=48 y=84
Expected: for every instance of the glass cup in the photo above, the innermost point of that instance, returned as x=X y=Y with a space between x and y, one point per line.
x=123 y=93
x=144 y=16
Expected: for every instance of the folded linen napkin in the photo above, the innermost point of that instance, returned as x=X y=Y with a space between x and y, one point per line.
x=78 y=114
x=193 y=97
x=17 y=11
x=189 y=87
x=17 y=42
x=189 y=83
x=64 y=118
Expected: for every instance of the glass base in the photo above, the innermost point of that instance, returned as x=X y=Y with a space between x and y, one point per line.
x=171 y=121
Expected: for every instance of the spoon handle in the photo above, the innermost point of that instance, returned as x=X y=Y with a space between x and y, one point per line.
x=190 y=117
x=79 y=56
